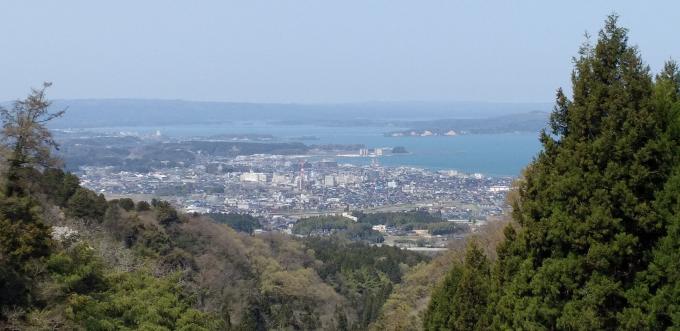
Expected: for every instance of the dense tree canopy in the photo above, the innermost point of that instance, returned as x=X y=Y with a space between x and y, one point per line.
x=592 y=247
x=239 y=222
x=462 y=296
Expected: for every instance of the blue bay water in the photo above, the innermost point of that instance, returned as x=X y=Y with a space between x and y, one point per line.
x=490 y=154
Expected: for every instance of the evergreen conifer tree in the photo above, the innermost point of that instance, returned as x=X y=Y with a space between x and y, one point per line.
x=460 y=302
x=654 y=300
x=586 y=209
x=595 y=240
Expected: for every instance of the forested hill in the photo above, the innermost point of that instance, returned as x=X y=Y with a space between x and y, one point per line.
x=71 y=260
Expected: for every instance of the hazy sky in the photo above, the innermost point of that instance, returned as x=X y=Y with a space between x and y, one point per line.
x=313 y=51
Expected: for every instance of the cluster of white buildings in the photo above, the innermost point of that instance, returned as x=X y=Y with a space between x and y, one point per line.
x=318 y=180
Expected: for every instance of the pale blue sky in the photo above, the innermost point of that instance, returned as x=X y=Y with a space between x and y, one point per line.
x=313 y=51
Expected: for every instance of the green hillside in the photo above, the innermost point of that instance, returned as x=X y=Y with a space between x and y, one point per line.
x=71 y=260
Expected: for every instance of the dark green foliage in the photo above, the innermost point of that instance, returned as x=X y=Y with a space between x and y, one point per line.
x=153 y=240
x=362 y=229
x=362 y=232
x=139 y=301
x=253 y=319
x=655 y=297
x=321 y=225
x=596 y=241
x=113 y=212
x=126 y=229
x=239 y=222
x=445 y=228
x=70 y=184
x=166 y=213
x=75 y=270
x=87 y=205
x=146 y=238
x=365 y=274
x=460 y=302
x=342 y=324
x=126 y=203
x=98 y=299
x=178 y=259
x=142 y=206
x=337 y=226
x=412 y=219
x=58 y=185
x=587 y=203
x=24 y=241
x=338 y=255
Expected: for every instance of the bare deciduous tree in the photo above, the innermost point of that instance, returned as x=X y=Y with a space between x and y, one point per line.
x=25 y=137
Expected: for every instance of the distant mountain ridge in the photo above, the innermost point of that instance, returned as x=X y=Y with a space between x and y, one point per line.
x=532 y=121
x=140 y=112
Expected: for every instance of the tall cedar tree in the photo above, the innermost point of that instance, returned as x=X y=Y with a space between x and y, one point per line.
x=655 y=297
x=586 y=207
x=595 y=244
